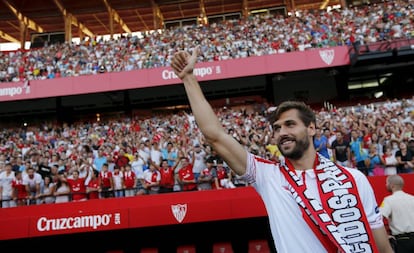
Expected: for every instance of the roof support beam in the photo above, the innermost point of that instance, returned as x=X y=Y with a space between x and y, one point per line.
x=25 y=23
x=202 y=20
x=292 y=6
x=8 y=37
x=71 y=20
x=158 y=17
x=324 y=4
x=114 y=16
x=245 y=8
x=23 y=19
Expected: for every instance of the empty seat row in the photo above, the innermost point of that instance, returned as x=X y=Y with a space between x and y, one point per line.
x=255 y=246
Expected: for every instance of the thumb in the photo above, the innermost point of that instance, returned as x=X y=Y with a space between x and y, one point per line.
x=196 y=51
x=192 y=59
x=195 y=54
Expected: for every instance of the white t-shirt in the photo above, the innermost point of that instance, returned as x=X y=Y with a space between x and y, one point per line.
x=6 y=183
x=290 y=231
x=37 y=179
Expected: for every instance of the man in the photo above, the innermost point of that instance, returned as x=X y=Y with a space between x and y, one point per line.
x=398 y=208
x=358 y=153
x=186 y=176
x=313 y=205
x=7 y=176
x=33 y=182
x=341 y=152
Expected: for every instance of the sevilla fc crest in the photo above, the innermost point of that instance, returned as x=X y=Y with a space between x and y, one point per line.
x=327 y=56
x=179 y=211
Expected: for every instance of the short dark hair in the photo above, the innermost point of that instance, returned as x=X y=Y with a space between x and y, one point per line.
x=306 y=114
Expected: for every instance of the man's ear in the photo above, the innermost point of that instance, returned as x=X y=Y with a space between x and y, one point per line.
x=312 y=129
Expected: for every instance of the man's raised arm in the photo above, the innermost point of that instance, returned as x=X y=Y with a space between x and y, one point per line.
x=226 y=146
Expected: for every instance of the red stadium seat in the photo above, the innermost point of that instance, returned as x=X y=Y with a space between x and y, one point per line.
x=222 y=247
x=186 y=249
x=259 y=246
x=149 y=250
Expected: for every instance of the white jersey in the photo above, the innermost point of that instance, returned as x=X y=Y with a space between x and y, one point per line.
x=199 y=163
x=290 y=231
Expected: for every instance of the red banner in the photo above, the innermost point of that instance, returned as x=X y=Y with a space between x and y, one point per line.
x=251 y=66
x=144 y=211
x=129 y=212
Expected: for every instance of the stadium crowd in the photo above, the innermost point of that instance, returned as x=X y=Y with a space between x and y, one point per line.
x=255 y=35
x=165 y=153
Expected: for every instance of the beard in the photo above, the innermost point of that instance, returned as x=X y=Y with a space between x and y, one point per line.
x=299 y=149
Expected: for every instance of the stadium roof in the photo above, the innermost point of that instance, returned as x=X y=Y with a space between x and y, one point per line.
x=93 y=16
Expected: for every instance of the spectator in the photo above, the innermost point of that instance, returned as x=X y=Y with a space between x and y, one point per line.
x=151 y=181
x=170 y=154
x=77 y=186
x=43 y=167
x=207 y=176
x=122 y=159
x=274 y=152
x=390 y=161
x=118 y=179
x=404 y=159
x=224 y=179
x=62 y=193
x=99 y=160
x=155 y=152
x=167 y=176
x=93 y=188
x=359 y=155
x=85 y=170
x=199 y=162
x=49 y=188
x=138 y=165
x=33 y=182
x=341 y=152
x=398 y=209
x=6 y=186
x=130 y=181
x=106 y=182
x=373 y=162
x=186 y=176
x=321 y=143
x=19 y=190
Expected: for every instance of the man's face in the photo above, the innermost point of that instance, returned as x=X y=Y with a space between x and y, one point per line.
x=184 y=162
x=388 y=186
x=293 y=137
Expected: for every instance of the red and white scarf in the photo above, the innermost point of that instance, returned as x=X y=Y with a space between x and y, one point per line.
x=338 y=219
